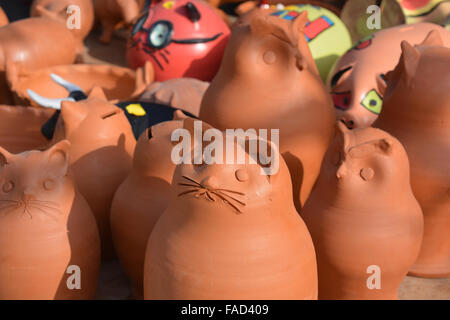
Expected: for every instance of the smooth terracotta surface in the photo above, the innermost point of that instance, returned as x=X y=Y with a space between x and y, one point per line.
x=21 y=50
x=268 y=79
x=417 y=111
x=60 y=10
x=101 y=154
x=182 y=38
x=230 y=232
x=3 y=18
x=141 y=199
x=182 y=93
x=45 y=227
x=20 y=128
x=117 y=83
x=357 y=83
x=111 y=13
x=362 y=213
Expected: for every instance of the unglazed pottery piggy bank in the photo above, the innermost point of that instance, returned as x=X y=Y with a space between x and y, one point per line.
x=417 y=111
x=112 y=12
x=366 y=225
x=49 y=242
x=181 y=38
x=327 y=35
x=142 y=198
x=20 y=49
x=230 y=232
x=358 y=79
x=76 y=14
x=268 y=79
x=101 y=153
x=20 y=128
x=3 y=18
x=436 y=11
x=182 y=93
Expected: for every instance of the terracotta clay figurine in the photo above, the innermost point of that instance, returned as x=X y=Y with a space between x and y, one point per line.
x=358 y=76
x=48 y=235
x=182 y=38
x=3 y=18
x=230 y=232
x=111 y=13
x=20 y=128
x=182 y=93
x=366 y=225
x=101 y=154
x=268 y=79
x=78 y=14
x=142 y=198
x=417 y=111
x=117 y=83
x=20 y=49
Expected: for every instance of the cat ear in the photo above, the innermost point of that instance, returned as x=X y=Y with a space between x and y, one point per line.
x=5 y=157
x=433 y=38
x=381 y=83
x=58 y=156
x=98 y=93
x=298 y=26
x=266 y=24
x=44 y=12
x=144 y=77
x=409 y=60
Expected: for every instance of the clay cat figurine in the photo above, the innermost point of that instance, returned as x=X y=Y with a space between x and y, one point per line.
x=46 y=227
x=417 y=111
x=268 y=79
x=142 y=198
x=61 y=10
x=20 y=49
x=363 y=217
x=230 y=232
x=101 y=154
x=111 y=12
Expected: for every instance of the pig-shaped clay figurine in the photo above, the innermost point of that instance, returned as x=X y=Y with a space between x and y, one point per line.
x=269 y=80
x=77 y=15
x=21 y=49
x=358 y=78
x=112 y=12
x=416 y=110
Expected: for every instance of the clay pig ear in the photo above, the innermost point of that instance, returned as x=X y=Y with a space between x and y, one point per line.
x=98 y=93
x=58 y=156
x=410 y=60
x=5 y=156
x=433 y=39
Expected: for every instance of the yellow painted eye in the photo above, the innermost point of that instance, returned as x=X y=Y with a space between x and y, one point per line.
x=373 y=102
x=168 y=5
x=136 y=110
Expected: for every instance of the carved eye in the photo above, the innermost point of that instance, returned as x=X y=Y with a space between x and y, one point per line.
x=241 y=175
x=367 y=174
x=269 y=57
x=8 y=186
x=49 y=184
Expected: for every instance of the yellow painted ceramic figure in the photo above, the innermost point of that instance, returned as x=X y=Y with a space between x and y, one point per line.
x=327 y=35
x=437 y=11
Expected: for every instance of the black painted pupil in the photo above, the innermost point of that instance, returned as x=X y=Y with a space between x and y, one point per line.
x=345 y=100
x=373 y=103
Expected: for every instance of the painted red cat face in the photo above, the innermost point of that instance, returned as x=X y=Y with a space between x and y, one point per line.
x=180 y=38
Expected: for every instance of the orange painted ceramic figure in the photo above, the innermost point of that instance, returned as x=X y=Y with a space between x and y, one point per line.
x=101 y=154
x=20 y=49
x=230 y=232
x=76 y=13
x=358 y=78
x=268 y=79
x=365 y=222
x=48 y=234
x=142 y=198
x=111 y=13
x=417 y=111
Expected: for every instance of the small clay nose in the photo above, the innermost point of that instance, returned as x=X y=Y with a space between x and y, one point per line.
x=210 y=182
x=27 y=196
x=349 y=120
